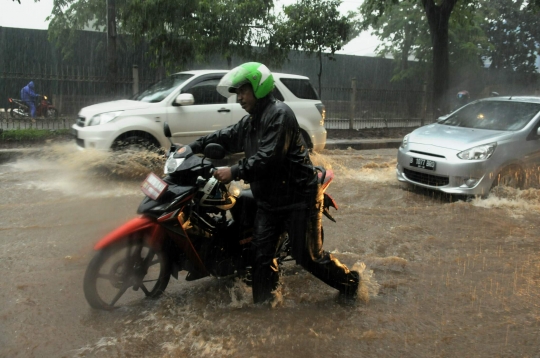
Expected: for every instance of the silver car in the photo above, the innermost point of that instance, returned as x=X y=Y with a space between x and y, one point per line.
x=485 y=143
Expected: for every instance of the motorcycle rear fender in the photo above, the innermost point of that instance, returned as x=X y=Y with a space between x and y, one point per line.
x=134 y=225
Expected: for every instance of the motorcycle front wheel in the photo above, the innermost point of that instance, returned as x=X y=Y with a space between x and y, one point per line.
x=124 y=272
x=51 y=113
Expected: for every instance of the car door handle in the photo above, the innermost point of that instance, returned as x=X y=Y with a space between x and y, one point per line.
x=223 y=110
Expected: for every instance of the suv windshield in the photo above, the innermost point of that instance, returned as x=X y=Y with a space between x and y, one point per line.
x=158 y=91
x=300 y=88
x=502 y=116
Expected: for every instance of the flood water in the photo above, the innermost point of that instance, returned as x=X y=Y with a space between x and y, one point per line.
x=452 y=277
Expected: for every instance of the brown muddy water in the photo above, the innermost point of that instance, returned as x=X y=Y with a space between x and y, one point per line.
x=454 y=278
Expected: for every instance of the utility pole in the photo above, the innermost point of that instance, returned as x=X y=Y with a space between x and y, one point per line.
x=112 y=68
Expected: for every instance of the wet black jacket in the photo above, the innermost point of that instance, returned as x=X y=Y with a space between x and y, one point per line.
x=276 y=163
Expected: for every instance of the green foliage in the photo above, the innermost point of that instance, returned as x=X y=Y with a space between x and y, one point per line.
x=176 y=32
x=32 y=134
x=405 y=35
x=315 y=26
x=514 y=31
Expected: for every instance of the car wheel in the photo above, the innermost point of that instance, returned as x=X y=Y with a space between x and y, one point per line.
x=134 y=144
x=511 y=176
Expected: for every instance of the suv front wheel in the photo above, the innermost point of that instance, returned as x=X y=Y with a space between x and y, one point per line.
x=136 y=142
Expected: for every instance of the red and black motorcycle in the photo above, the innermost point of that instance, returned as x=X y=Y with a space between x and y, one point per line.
x=189 y=221
x=44 y=108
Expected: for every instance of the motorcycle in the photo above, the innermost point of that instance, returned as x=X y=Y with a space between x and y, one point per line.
x=188 y=221
x=44 y=108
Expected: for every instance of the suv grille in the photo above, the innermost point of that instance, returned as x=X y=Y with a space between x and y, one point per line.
x=427 y=179
x=80 y=121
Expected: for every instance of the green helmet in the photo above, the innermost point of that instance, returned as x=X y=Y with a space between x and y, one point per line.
x=255 y=73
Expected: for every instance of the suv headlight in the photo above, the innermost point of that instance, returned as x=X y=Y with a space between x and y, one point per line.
x=103 y=118
x=481 y=152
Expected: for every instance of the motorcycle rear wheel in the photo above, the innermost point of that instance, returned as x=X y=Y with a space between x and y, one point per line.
x=119 y=273
x=17 y=113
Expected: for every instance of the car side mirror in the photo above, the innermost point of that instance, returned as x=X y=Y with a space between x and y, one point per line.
x=538 y=131
x=184 y=99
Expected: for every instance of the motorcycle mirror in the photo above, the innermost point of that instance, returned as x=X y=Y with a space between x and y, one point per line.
x=214 y=151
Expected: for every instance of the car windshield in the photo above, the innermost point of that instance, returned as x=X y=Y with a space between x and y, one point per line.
x=161 y=89
x=496 y=115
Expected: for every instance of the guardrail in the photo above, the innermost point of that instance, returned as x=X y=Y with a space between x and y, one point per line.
x=9 y=123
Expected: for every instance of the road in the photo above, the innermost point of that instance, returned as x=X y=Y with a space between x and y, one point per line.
x=455 y=278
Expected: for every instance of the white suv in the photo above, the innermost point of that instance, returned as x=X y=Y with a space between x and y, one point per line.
x=191 y=105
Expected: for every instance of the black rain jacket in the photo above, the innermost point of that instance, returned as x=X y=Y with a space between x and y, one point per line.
x=276 y=163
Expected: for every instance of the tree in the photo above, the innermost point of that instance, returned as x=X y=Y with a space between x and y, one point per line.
x=438 y=19
x=403 y=34
x=514 y=31
x=176 y=32
x=315 y=26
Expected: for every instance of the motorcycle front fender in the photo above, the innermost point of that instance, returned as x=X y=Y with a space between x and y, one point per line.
x=134 y=225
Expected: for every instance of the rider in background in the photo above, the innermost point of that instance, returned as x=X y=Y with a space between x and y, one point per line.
x=462 y=99
x=29 y=96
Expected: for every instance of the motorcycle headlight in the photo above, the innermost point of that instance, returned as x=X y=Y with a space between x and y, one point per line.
x=481 y=152
x=235 y=189
x=172 y=163
x=103 y=118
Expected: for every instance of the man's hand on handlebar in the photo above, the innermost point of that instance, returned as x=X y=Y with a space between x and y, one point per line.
x=223 y=174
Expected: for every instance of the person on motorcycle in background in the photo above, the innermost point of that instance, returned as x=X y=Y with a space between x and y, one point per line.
x=283 y=181
x=462 y=99
x=29 y=96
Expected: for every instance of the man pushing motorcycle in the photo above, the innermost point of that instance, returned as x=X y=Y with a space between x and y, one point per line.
x=283 y=181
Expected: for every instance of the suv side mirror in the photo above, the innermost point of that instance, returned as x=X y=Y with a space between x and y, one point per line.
x=184 y=99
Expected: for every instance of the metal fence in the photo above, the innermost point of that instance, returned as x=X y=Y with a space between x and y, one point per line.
x=345 y=108
x=72 y=87
x=351 y=108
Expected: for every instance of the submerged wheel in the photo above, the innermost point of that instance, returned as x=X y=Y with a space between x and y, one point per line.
x=511 y=176
x=118 y=274
x=17 y=113
x=134 y=144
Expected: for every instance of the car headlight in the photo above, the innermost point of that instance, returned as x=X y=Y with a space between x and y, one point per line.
x=481 y=152
x=172 y=164
x=405 y=141
x=103 y=118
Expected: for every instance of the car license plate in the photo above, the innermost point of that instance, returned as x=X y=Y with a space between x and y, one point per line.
x=153 y=186
x=422 y=163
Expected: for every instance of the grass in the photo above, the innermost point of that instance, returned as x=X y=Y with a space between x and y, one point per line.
x=32 y=135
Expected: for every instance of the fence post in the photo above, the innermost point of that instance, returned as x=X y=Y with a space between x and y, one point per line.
x=424 y=104
x=135 y=79
x=353 y=103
